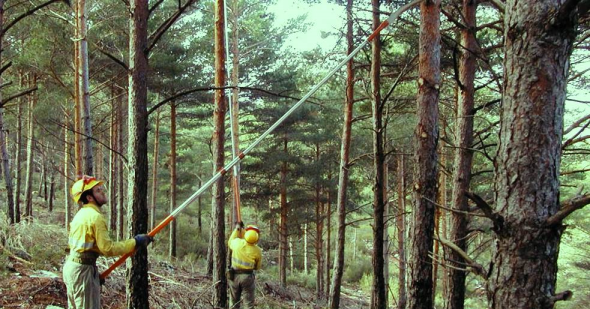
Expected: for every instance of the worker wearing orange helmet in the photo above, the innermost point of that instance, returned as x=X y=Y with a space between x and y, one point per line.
x=246 y=258
x=89 y=238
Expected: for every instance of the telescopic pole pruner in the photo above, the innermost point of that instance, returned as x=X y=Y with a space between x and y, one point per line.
x=241 y=156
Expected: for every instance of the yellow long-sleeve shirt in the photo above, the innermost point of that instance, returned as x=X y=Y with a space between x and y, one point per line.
x=88 y=232
x=244 y=255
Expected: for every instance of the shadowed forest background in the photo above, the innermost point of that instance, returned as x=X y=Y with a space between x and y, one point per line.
x=445 y=166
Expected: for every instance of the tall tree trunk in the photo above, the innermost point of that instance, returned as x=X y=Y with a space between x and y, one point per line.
x=319 y=245
x=137 y=184
x=539 y=37
x=51 y=188
x=426 y=139
x=328 y=230
x=401 y=234
x=77 y=107
x=200 y=209
x=155 y=172
x=3 y=137
x=172 y=245
x=283 y=221
x=120 y=208
x=114 y=132
x=235 y=107
x=42 y=167
x=19 y=147
x=31 y=138
x=463 y=158
x=218 y=194
x=67 y=156
x=386 y=216
x=305 y=248
x=83 y=92
x=334 y=301
x=378 y=294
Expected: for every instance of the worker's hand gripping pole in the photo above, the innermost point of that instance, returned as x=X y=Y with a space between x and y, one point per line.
x=241 y=156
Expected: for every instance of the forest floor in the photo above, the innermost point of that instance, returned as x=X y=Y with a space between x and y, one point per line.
x=30 y=277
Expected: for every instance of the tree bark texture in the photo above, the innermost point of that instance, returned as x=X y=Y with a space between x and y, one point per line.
x=113 y=183
x=539 y=36
x=119 y=208
x=425 y=147
x=77 y=107
x=319 y=244
x=83 y=91
x=172 y=244
x=67 y=172
x=18 y=154
x=335 y=287
x=137 y=209
x=463 y=158
x=378 y=293
x=218 y=194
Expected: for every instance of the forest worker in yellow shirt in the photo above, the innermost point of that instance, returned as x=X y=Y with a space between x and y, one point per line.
x=88 y=239
x=246 y=257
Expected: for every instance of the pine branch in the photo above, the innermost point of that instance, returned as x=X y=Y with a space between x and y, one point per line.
x=20 y=94
x=28 y=13
x=568 y=207
x=474 y=267
x=156 y=36
x=5 y=67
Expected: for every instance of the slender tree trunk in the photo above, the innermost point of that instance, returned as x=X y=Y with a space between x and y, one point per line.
x=83 y=92
x=172 y=245
x=113 y=188
x=200 y=209
x=426 y=139
x=137 y=184
x=291 y=259
x=29 y=175
x=401 y=230
x=305 y=248
x=463 y=157
x=218 y=194
x=155 y=173
x=67 y=156
x=283 y=221
x=539 y=37
x=386 y=216
x=319 y=245
x=235 y=107
x=51 y=189
x=378 y=294
x=3 y=137
x=120 y=208
x=42 y=166
x=328 y=230
x=19 y=147
x=334 y=301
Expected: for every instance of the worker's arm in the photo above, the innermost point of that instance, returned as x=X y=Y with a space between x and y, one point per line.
x=237 y=233
x=258 y=264
x=104 y=243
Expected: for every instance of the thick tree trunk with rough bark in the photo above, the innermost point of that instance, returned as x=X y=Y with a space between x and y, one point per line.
x=218 y=194
x=378 y=293
x=463 y=158
x=539 y=36
x=425 y=139
x=137 y=183
x=334 y=301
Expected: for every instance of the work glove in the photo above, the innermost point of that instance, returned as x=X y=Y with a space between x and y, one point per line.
x=239 y=225
x=143 y=240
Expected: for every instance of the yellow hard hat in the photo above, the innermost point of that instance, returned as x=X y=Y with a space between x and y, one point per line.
x=84 y=184
x=251 y=235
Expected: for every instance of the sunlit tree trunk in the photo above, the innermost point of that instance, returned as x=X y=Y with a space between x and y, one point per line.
x=334 y=300
x=319 y=244
x=218 y=194
x=83 y=92
x=120 y=209
x=137 y=184
x=18 y=154
x=114 y=132
x=30 y=167
x=67 y=169
x=328 y=267
x=425 y=145
x=77 y=107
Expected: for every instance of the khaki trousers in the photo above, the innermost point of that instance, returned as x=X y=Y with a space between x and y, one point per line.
x=83 y=285
x=242 y=285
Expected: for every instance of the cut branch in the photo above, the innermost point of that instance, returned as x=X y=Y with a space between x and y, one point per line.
x=473 y=266
x=567 y=207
